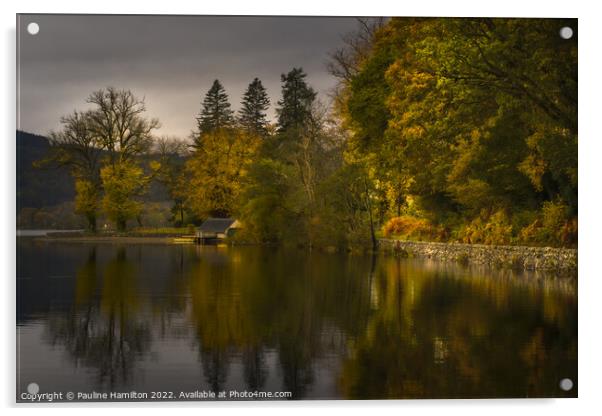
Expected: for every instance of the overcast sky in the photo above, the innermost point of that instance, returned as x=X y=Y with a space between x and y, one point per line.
x=170 y=60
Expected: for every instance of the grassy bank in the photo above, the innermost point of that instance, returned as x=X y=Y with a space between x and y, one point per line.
x=91 y=238
x=161 y=235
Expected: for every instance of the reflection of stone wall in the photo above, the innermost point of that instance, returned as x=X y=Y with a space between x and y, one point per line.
x=518 y=257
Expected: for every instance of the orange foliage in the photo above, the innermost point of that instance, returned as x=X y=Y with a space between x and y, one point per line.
x=411 y=227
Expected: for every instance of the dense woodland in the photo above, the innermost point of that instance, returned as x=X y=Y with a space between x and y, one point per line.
x=439 y=129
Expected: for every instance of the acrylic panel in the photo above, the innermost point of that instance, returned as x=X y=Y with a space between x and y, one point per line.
x=291 y=208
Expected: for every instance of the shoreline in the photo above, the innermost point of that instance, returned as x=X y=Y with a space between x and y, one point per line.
x=105 y=239
x=559 y=260
x=549 y=259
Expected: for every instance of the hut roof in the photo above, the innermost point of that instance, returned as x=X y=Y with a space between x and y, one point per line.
x=216 y=225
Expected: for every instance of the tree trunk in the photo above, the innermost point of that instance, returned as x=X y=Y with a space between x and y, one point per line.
x=92 y=223
x=369 y=208
x=121 y=225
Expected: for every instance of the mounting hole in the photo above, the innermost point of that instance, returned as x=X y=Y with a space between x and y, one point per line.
x=566 y=32
x=566 y=384
x=33 y=388
x=33 y=28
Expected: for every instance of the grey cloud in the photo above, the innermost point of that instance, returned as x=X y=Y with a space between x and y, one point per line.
x=171 y=60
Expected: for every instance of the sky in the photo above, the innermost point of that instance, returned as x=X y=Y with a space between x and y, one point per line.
x=170 y=61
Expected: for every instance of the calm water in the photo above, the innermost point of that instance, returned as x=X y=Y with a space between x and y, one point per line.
x=149 y=318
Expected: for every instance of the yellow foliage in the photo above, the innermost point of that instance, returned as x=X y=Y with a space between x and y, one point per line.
x=122 y=183
x=495 y=229
x=534 y=168
x=552 y=227
x=86 y=197
x=217 y=169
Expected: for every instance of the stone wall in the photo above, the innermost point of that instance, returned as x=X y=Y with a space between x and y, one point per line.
x=516 y=257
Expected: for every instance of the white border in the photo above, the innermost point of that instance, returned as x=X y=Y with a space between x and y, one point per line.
x=590 y=153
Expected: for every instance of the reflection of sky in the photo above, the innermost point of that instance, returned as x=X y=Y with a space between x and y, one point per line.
x=172 y=364
x=170 y=60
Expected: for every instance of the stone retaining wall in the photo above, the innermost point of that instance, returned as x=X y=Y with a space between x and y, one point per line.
x=517 y=257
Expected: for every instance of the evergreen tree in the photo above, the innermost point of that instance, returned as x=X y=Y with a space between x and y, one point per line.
x=255 y=102
x=296 y=102
x=216 y=113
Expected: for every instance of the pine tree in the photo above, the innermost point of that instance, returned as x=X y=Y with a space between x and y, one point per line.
x=296 y=102
x=252 y=116
x=216 y=113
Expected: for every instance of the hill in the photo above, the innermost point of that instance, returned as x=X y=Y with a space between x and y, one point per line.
x=37 y=188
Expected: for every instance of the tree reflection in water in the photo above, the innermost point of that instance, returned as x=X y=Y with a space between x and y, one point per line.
x=439 y=332
x=102 y=332
x=369 y=327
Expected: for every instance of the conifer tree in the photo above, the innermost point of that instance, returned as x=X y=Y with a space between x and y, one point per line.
x=252 y=116
x=297 y=98
x=216 y=113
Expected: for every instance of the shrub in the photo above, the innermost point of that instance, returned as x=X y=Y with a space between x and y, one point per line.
x=553 y=226
x=494 y=229
x=409 y=227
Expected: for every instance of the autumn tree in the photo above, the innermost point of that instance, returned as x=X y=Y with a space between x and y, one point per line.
x=87 y=200
x=172 y=154
x=216 y=170
x=252 y=114
x=118 y=124
x=78 y=148
x=464 y=120
x=123 y=185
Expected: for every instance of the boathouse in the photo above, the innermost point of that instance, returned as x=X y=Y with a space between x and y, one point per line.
x=214 y=230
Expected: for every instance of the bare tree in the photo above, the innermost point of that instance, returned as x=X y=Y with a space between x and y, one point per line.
x=345 y=62
x=172 y=153
x=119 y=125
x=170 y=146
x=76 y=147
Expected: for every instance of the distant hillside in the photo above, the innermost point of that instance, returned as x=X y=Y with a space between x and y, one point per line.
x=36 y=187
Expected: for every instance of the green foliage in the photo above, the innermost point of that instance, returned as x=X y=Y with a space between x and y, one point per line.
x=155 y=214
x=553 y=225
x=551 y=164
x=252 y=116
x=474 y=119
x=297 y=98
x=216 y=113
x=342 y=218
x=300 y=191
x=367 y=107
x=267 y=207
x=461 y=129
x=172 y=175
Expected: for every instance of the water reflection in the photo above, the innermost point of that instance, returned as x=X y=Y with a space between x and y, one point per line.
x=103 y=329
x=318 y=325
x=442 y=334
